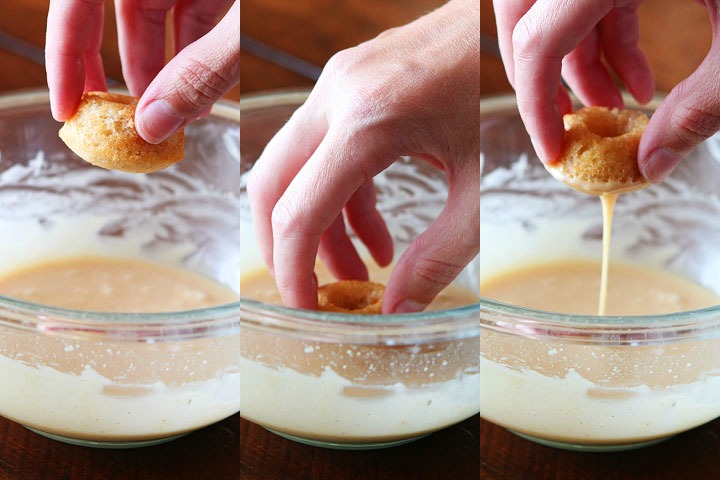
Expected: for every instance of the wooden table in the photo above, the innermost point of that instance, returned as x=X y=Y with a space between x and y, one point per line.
x=285 y=43
x=212 y=452
x=676 y=36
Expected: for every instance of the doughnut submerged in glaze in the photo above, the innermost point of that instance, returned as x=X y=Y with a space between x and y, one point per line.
x=600 y=150
x=351 y=296
x=102 y=132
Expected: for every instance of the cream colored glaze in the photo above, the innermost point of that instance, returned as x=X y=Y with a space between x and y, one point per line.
x=101 y=389
x=596 y=188
x=608 y=193
x=572 y=286
x=259 y=285
x=608 y=208
x=113 y=285
x=595 y=394
x=355 y=393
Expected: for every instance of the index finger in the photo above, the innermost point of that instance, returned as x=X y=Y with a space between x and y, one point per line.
x=540 y=40
x=341 y=164
x=507 y=14
x=72 y=53
x=141 y=40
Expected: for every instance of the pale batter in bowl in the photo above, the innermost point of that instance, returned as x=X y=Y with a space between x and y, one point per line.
x=119 y=297
x=559 y=374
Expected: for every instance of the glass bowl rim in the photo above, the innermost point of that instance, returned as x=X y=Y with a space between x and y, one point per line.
x=435 y=325
x=217 y=320
x=506 y=318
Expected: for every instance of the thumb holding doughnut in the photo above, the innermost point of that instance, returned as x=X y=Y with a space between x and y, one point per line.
x=689 y=115
x=438 y=255
x=192 y=81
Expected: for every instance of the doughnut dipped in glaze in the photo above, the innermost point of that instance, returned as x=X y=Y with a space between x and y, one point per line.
x=351 y=296
x=600 y=151
x=102 y=132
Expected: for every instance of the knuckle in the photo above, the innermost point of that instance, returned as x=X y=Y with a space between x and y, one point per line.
x=524 y=40
x=695 y=124
x=341 y=63
x=435 y=272
x=200 y=83
x=286 y=221
x=368 y=96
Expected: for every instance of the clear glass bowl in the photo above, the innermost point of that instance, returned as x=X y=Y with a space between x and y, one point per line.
x=586 y=382
x=117 y=380
x=346 y=381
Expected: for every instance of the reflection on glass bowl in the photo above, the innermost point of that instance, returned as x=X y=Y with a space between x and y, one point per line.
x=116 y=379
x=586 y=382
x=342 y=381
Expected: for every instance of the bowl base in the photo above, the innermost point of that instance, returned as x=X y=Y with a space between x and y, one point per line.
x=109 y=444
x=576 y=447
x=345 y=446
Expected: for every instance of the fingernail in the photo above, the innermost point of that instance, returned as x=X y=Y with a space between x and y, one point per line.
x=158 y=121
x=409 y=306
x=661 y=163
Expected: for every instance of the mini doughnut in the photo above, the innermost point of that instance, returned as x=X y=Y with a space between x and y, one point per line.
x=600 y=151
x=102 y=132
x=351 y=296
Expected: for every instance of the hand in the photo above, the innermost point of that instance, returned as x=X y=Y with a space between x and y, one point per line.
x=413 y=90
x=206 y=64
x=687 y=116
x=539 y=40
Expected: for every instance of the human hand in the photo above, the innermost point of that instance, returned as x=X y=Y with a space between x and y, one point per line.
x=541 y=39
x=536 y=36
x=413 y=90
x=206 y=64
x=687 y=116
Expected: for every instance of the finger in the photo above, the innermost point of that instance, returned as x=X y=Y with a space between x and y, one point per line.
x=438 y=255
x=192 y=81
x=620 y=34
x=365 y=220
x=338 y=253
x=588 y=77
x=507 y=15
x=563 y=101
x=688 y=115
x=141 y=40
x=192 y=19
x=94 y=75
x=73 y=35
x=280 y=161
x=313 y=200
x=540 y=40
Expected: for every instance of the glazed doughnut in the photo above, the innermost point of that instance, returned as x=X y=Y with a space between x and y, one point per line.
x=600 y=151
x=351 y=296
x=102 y=132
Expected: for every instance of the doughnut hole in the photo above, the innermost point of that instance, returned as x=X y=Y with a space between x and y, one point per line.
x=604 y=124
x=600 y=150
x=351 y=296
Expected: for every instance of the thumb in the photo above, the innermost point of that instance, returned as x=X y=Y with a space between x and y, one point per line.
x=192 y=81
x=689 y=115
x=437 y=256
